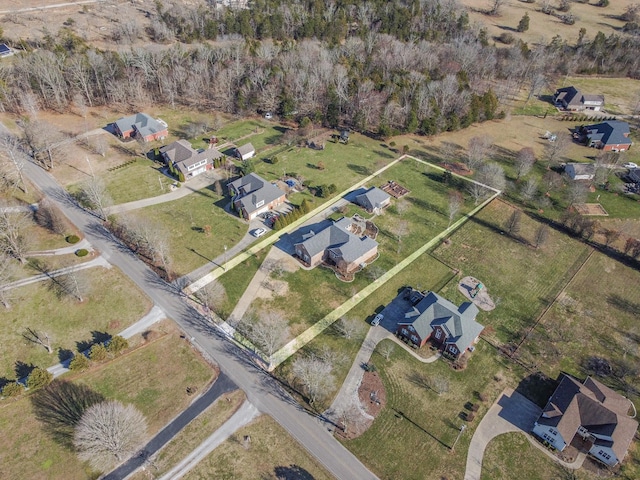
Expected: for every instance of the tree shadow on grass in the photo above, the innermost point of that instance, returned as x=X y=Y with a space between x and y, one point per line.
x=60 y=406
x=292 y=472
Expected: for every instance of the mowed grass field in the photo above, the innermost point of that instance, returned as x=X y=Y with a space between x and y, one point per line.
x=184 y=221
x=543 y=27
x=418 y=425
x=154 y=378
x=111 y=303
x=272 y=453
x=599 y=308
x=520 y=279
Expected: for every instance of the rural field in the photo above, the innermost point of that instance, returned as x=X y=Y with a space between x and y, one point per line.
x=521 y=279
x=111 y=303
x=543 y=27
x=153 y=377
x=271 y=453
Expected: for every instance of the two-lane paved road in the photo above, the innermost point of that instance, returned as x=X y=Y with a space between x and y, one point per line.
x=261 y=389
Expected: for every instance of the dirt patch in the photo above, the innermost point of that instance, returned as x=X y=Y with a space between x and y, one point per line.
x=590 y=209
x=272 y=287
x=468 y=286
x=373 y=398
x=394 y=189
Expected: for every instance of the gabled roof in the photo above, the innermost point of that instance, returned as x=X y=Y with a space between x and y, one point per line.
x=372 y=198
x=573 y=96
x=182 y=153
x=458 y=322
x=252 y=190
x=612 y=132
x=583 y=168
x=245 y=149
x=145 y=124
x=593 y=406
x=338 y=238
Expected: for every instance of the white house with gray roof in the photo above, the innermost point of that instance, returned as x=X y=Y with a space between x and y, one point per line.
x=190 y=162
x=141 y=125
x=246 y=151
x=453 y=328
x=253 y=195
x=373 y=200
x=336 y=245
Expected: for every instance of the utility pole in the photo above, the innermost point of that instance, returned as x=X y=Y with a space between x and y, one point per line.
x=462 y=428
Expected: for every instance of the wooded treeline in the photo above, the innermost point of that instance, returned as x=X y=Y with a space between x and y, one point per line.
x=378 y=66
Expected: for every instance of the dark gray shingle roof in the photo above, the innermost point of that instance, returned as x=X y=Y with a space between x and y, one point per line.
x=372 y=198
x=612 y=132
x=338 y=238
x=144 y=123
x=253 y=189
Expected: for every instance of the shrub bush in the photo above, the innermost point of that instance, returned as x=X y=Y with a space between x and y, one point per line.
x=12 y=389
x=72 y=239
x=98 y=353
x=83 y=252
x=117 y=344
x=79 y=363
x=38 y=378
x=506 y=38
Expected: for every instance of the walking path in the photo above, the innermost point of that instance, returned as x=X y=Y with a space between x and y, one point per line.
x=155 y=315
x=510 y=413
x=223 y=384
x=99 y=261
x=245 y=414
x=201 y=181
x=48 y=7
x=84 y=243
x=20 y=208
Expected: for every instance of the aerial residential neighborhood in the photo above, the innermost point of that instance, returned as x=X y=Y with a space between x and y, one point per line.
x=319 y=240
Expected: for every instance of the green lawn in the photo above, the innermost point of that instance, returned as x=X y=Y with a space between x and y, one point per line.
x=135 y=181
x=520 y=279
x=184 y=221
x=111 y=304
x=154 y=378
x=418 y=425
x=272 y=453
x=236 y=280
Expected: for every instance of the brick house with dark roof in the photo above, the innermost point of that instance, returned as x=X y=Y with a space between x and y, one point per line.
x=453 y=328
x=612 y=135
x=572 y=99
x=190 y=162
x=337 y=245
x=253 y=195
x=141 y=125
x=592 y=411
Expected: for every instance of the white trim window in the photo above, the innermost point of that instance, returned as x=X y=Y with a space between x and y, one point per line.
x=197 y=165
x=438 y=334
x=260 y=203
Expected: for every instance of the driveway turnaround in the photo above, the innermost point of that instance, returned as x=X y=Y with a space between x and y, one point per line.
x=511 y=413
x=244 y=415
x=223 y=384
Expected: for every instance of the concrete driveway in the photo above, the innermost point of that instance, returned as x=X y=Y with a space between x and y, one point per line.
x=511 y=413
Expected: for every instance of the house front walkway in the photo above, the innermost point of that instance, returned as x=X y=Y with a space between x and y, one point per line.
x=511 y=412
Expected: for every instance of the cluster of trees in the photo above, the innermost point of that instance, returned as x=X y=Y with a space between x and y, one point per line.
x=298 y=212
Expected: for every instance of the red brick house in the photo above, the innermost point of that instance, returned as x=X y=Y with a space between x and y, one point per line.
x=435 y=318
x=141 y=126
x=611 y=136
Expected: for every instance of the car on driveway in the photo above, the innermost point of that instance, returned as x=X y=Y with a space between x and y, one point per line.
x=258 y=232
x=376 y=320
x=630 y=165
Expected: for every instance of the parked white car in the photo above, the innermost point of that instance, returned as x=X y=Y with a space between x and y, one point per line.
x=268 y=116
x=630 y=165
x=258 y=232
x=376 y=320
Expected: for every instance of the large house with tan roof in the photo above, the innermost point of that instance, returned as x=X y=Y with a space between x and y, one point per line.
x=182 y=157
x=591 y=411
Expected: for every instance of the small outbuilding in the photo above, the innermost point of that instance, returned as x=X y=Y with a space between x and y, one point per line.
x=580 y=171
x=245 y=152
x=373 y=200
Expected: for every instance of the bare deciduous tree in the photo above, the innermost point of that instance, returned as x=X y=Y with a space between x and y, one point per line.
x=478 y=150
x=211 y=296
x=14 y=240
x=44 y=140
x=401 y=230
x=529 y=189
x=109 y=433
x=93 y=194
x=525 y=159
x=49 y=216
x=439 y=384
x=386 y=350
x=12 y=161
x=348 y=328
x=577 y=192
x=268 y=331
x=38 y=338
x=512 y=226
x=73 y=284
x=315 y=375
x=7 y=270
x=554 y=150
x=455 y=204
x=542 y=234
x=100 y=145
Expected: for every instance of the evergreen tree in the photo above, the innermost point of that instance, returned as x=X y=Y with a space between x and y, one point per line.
x=523 y=26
